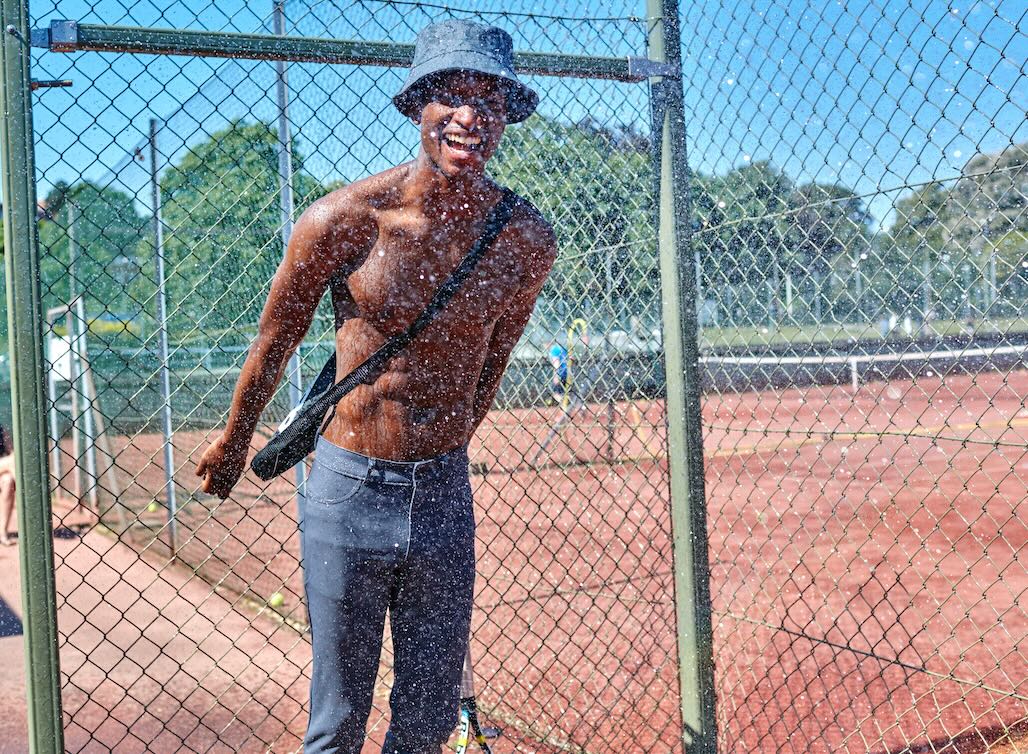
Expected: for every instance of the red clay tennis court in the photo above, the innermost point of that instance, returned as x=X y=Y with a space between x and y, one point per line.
x=865 y=573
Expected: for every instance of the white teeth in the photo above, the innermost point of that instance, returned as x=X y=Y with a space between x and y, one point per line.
x=470 y=139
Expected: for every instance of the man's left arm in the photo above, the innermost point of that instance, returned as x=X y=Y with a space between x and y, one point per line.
x=541 y=251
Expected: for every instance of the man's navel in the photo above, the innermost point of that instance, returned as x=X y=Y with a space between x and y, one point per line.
x=421 y=415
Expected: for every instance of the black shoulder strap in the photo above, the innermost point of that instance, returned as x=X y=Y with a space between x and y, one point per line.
x=496 y=221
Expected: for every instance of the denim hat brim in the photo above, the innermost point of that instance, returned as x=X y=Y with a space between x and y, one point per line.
x=521 y=100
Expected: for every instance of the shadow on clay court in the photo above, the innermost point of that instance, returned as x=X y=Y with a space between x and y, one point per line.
x=10 y=624
x=1000 y=739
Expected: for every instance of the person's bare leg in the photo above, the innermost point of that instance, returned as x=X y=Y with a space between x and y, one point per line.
x=6 y=507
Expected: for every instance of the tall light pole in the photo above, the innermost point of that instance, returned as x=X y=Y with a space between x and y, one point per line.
x=162 y=330
x=285 y=179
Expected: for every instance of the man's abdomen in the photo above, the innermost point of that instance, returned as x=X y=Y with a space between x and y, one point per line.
x=422 y=405
x=400 y=429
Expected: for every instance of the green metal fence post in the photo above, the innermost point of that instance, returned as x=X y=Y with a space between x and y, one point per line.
x=25 y=318
x=681 y=361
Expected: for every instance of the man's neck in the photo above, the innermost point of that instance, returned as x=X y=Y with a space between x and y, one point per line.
x=434 y=192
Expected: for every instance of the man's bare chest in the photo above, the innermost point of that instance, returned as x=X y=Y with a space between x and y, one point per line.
x=405 y=268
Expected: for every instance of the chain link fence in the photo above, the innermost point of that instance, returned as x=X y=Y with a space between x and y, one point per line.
x=861 y=237
x=180 y=616
x=858 y=180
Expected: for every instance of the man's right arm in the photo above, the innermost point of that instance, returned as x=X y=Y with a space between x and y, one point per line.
x=322 y=243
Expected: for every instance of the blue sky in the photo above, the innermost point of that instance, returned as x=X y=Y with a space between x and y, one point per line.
x=876 y=95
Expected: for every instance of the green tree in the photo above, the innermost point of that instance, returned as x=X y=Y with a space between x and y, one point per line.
x=825 y=233
x=741 y=239
x=948 y=243
x=990 y=198
x=914 y=265
x=986 y=205
x=594 y=185
x=107 y=230
x=1012 y=270
x=920 y=219
x=220 y=206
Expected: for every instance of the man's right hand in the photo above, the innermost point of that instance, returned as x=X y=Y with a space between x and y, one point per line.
x=220 y=467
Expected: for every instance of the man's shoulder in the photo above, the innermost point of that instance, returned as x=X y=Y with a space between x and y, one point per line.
x=358 y=202
x=527 y=214
x=343 y=224
x=339 y=211
x=533 y=232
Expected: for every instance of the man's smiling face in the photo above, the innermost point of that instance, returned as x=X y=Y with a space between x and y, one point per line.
x=462 y=119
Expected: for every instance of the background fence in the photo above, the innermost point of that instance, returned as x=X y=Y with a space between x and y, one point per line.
x=860 y=188
x=858 y=180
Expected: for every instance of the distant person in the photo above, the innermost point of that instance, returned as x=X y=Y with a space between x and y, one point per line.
x=6 y=486
x=561 y=384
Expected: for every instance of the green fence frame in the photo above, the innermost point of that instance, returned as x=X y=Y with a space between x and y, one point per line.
x=661 y=70
x=681 y=365
x=28 y=398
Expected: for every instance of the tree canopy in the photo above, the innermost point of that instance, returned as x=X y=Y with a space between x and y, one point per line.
x=106 y=229
x=769 y=247
x=595 y=186
x=222 y=218
x=973 y=228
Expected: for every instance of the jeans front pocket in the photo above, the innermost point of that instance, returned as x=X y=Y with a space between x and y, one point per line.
x=356 y=514
x=329 y=486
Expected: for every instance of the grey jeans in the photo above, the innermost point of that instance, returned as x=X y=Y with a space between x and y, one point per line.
x=383 y=535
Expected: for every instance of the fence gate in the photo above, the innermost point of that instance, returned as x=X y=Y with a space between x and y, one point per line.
x=859 y=185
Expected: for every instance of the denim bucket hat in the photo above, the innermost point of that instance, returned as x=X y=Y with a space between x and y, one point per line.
x=459 y=45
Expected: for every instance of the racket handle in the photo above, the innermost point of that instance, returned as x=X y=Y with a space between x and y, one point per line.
x=463 y=729
x=470 y=728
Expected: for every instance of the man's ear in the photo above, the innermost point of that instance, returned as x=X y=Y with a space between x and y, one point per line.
x=416 y=119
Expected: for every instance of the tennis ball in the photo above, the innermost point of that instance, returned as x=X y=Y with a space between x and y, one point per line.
x=153 y=507
x=276 y=600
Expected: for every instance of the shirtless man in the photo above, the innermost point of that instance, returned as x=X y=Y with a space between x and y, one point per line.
x=388 y=522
